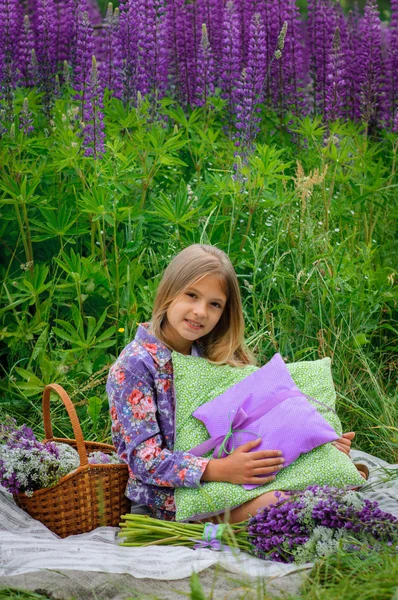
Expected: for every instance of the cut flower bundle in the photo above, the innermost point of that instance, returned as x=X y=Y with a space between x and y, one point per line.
x=301 y=527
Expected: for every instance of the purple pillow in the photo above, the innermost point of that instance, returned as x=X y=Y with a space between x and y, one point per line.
x=266 y=404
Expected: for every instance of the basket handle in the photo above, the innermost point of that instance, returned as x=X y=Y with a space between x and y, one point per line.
x=77 y=430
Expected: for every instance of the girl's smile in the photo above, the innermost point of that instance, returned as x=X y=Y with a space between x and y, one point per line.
x=193 y=325
x=195 y=313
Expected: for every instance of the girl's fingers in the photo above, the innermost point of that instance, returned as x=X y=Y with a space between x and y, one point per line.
x=341 y=447
x=349 y=435
x=261 y=454
x=267 y=470
x=249 y=445
x=344 y=442
x=269 y=463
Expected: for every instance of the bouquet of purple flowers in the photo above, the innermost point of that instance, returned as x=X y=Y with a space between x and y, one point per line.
x=317 y=521
x=27 y=465
x=301 y=527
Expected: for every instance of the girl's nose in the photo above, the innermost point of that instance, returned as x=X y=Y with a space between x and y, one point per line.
x=200 y=310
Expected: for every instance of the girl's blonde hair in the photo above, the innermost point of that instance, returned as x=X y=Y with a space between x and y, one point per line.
x=225 y=343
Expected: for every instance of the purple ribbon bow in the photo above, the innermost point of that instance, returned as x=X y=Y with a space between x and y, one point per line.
x=211 y=538
x=241 y=420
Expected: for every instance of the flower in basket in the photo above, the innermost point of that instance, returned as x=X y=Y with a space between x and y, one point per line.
x=26 y=464
x=301 y=527
x=102 y=458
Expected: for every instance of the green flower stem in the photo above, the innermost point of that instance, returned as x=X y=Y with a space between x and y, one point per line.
x=139 y=530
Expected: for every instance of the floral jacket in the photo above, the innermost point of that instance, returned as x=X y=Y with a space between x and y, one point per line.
x=141 y=397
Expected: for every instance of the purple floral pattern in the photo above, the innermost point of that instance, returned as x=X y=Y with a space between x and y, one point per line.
x=141 y=398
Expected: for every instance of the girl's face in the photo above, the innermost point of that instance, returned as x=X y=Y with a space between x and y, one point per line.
x=195 y=313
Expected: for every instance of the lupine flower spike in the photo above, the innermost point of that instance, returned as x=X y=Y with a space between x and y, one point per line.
x=350 y=50
x=180 y=44
x=25 y=118
x=65 y=31
x=393 y=62
x=83 y=60
x=335 y=81
x=322 y=23
x=231 y=55
x=46 y=52
x=128 y=34
x=370 y=65
x=25 y=47
x=93 y=126
x=205 y=76
x=294 y=78
x=9 y=14
x=250 y=88
x=110 y=69
x=152 y=51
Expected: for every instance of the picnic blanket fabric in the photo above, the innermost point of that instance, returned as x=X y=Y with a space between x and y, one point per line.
x=198 y=381
x=27 y=546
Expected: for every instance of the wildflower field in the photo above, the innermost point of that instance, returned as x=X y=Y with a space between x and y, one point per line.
x=128 y=132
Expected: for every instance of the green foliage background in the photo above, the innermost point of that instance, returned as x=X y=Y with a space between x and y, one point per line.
x=84 y=244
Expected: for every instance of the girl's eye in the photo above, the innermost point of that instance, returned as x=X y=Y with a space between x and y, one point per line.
x=192 y=295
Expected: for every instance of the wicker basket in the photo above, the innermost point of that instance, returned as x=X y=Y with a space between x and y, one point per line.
x=87 y=498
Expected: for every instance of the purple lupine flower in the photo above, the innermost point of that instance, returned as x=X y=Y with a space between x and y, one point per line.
x=322 y=23
x=247 y=10
x=93 y=125
x=231 y=55
x=205 y=75
x=288 y=77
x=111 y=65
x=335 y=81
x=65 y=28
x=9 y=28
x=370 y=64
x=128 y=34
x=46 y=52
x=196 y=15
x=250 y=88
x=25 y=47
x=30 y=9
x=274 y=15
x=83 y=60
x=392 y=63
x=180 y=40
x=275 y=71
x=350 y=52
x=209 y=12
x=152 y=50
x=25 y=118
x=311 y=524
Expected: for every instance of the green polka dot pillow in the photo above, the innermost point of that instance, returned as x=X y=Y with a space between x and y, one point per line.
x=197 y=381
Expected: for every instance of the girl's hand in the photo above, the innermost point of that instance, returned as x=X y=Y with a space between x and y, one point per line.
x=344 y=443
x=244 y=467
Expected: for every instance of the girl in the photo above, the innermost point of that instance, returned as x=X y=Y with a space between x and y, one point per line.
x=198 y=311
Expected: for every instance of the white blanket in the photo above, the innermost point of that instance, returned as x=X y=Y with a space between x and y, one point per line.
x=26 y=545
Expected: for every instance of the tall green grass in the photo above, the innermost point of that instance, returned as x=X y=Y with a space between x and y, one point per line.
x=309 y=222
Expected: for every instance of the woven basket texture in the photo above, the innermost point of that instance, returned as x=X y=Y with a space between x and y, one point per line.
x=91 y=496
